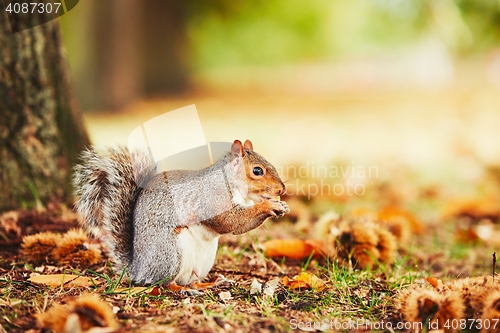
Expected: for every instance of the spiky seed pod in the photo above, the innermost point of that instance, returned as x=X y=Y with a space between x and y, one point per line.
x=399 y=227
x=419 y=305
x=366 y=243
x=327 y=226
x=38 y=247
x=358 y=243
x=74 y=249
x=451 y=310
x=54 y=319
x=474 y=292
x=386 y=244
x=490 y=320
x=80 y=315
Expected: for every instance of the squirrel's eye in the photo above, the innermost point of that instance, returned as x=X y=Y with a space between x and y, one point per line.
x=258 y=171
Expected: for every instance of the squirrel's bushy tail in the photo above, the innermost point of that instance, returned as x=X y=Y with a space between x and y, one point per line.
x=106 y=186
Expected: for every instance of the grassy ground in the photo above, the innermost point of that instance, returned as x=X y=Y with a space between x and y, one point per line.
x=417 y=172
x=353 y=295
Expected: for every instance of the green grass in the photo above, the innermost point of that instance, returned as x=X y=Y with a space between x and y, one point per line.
x=352 y=295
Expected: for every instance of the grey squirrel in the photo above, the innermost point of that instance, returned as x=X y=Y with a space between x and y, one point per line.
x=167 y=225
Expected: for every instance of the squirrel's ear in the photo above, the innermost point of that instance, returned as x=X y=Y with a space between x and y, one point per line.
x=248 y=145
x=237 y=151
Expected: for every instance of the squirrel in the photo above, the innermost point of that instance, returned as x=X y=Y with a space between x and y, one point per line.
x=166 y=226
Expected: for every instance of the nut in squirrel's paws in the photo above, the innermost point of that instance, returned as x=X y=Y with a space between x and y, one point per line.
x=278 y=208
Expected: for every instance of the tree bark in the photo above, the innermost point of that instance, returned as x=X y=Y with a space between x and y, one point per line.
x=41 y=128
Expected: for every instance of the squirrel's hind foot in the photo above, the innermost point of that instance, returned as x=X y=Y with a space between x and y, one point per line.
x=184 y=290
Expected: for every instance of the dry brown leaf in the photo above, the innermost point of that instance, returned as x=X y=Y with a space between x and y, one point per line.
x=294 y=248
x=270 y=287
x=475 y=208
x=468 y=235
x=56 y=280
x=131 y=290
x=304 y=281
x=225 y=296
x=8 y=222
x=433 y=281
x=255 y=287
x=155 y=291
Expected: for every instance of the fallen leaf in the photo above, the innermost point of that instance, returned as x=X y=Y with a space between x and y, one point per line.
x=8 y=222
x=475 y=208
x=304 y=281
x=12 y=302
x=56 y=280
x=436 y=283
x=433 y=281
x=468 y=235
x=255 y=287
x=131 y=290
x=270 y=287
x=225 y=296
x=294 y=248
x=155 y=291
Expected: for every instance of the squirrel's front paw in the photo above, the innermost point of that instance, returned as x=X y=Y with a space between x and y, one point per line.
x=278 y=208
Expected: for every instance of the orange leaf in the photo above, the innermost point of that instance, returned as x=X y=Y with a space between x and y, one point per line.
x=304 y=281
x=433 y=281
x=294 y=248
x=155 y=291
x=436 y=283
x=476 y=208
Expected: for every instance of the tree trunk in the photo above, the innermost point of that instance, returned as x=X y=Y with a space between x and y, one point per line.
x=41 y=129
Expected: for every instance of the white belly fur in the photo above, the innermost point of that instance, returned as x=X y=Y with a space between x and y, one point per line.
x=198 y=246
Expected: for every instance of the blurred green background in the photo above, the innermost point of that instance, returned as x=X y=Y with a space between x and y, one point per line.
x=400 y=82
